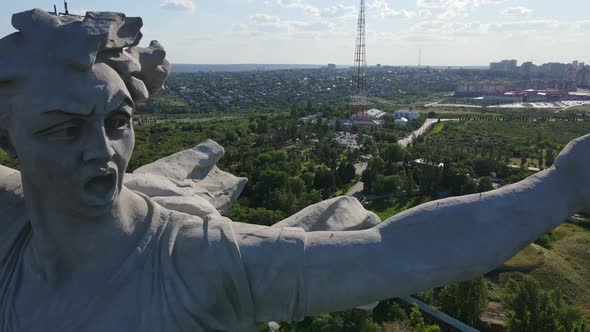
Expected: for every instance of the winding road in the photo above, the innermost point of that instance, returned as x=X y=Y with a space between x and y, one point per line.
x=357 y=188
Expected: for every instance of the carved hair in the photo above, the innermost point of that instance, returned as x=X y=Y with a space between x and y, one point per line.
x=99 y=37
x=79 y=43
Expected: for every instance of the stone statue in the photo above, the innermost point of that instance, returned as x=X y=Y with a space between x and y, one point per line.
x=81 y=251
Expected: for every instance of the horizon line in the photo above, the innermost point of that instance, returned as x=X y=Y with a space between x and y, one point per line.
x=317 y=64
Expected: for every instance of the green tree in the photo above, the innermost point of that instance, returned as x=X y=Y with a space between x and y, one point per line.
x=484 y=166
x=383 y=185
x=469 y=187
x=417 y=321
x=369 y=326
x=374 y=167
x=409 y=183
x=549 y=158
x=327 y=323
x=270 y=180
x=369 y=146
x=389 y=311
x=455 y=177
x=465 y=301
x=258 y=216
x=346 y=172
x=296 y=186
x=324 y=181
x=529 y=308
x=485 y=184
x=392 y=152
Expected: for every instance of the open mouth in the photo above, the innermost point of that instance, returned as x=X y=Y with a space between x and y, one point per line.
x=101 y=187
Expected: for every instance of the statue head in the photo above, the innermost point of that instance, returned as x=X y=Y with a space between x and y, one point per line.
x=68 y=88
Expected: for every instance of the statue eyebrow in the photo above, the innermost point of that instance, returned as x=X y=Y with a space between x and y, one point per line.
x=70 y=114
x=73 y=118
x=49 y=129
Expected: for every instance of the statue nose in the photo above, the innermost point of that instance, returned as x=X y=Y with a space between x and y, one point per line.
x=97 y=146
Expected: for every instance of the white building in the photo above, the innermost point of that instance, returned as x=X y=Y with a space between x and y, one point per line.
x=401 y=122
x=407 y=114
x=375 y=114
x=365 y=124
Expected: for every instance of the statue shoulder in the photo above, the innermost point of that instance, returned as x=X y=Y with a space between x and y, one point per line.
x=200 y=239
x=12 y=202
x=11 y=194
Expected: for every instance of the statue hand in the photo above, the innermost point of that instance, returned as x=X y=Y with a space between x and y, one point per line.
x=573 y=162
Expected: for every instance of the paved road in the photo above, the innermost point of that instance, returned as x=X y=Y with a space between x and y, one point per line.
x=357 y=189
x=439 y=104
x=359 y=168
x=404 y=142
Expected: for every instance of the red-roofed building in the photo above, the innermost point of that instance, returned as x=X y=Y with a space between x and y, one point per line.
x=527 y=96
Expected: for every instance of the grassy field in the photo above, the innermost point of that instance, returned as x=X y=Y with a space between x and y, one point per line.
x=437 y=128
x=460 y=112
x=567 y=266
x=529 y=259
x=388 y=207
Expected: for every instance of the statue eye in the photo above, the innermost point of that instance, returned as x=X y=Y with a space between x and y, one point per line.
x=117 y=121
x=68 y=130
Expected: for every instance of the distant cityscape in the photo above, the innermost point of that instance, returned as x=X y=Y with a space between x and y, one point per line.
x=529 y=83
x=209 y=91
x=197 y=68
x=575 y=73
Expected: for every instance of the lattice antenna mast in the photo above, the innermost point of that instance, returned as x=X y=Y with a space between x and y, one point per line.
x=66 y=11
x=420 y=57
x=358 y=101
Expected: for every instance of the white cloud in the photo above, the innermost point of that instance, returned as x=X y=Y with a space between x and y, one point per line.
x=337 y=11
x=383 y=10
x=583 y=26
x=530 y=25
x=454 y=8
x=455 y=3
x=179 y=5
x=450 y=28
x=424 y=13
x=517 y=12
x=263 y=24
x=264 y=18
x=432 y=3
x=299 y=4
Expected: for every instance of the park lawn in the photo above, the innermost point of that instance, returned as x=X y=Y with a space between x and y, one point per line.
x=437 y=128
x=388 y=207
x=565 y=267
x=568 y=265
x=528 y=259
x=531 y=162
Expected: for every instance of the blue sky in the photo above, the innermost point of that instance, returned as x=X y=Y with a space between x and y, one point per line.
x=450 y=32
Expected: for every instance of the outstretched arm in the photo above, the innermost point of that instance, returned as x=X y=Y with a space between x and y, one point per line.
x=442 y=241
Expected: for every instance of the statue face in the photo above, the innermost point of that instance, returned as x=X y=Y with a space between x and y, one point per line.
x=72 y=132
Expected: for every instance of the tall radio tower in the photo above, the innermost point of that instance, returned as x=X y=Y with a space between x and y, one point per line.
x=358 y=101
x=420 y=57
